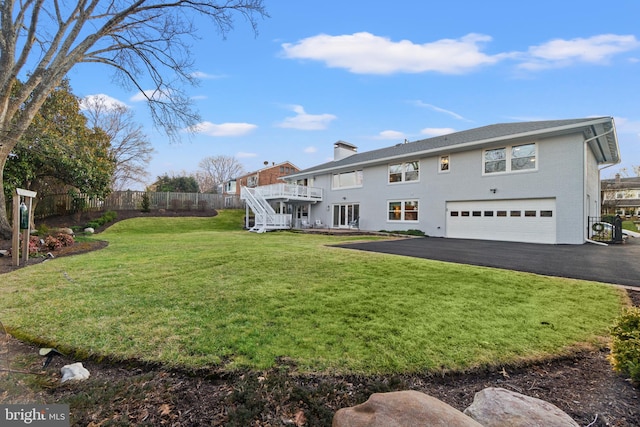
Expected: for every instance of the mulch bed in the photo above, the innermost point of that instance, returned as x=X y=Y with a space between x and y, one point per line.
x=582 y=385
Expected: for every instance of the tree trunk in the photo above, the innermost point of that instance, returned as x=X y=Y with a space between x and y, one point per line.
x=6 y=230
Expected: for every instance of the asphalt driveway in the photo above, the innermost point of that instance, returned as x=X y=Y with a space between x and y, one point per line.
x=618 y=264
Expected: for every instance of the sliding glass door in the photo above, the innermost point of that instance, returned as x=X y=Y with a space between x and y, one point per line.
x=344 y=214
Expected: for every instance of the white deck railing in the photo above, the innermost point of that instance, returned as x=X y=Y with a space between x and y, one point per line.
x=290 y=191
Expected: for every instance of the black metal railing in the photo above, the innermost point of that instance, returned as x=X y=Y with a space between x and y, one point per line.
x=604 y=229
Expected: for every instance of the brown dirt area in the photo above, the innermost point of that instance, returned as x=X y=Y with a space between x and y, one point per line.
x=129 y=393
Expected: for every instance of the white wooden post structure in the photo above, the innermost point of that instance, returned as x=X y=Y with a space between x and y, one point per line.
x=15 y=247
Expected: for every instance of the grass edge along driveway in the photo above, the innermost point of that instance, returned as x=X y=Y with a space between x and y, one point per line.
x=200 y=292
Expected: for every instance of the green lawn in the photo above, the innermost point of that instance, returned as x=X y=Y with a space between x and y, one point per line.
x=196 y=292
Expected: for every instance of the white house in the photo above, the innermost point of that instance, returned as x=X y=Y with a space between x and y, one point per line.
x=621 y=196
x=527 y=182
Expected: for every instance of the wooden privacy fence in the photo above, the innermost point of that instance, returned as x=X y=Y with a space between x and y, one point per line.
x=64 y=204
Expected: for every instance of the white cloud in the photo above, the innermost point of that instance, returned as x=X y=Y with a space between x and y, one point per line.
x=224 y=129
x=438 y=109
x=104 y=101
x=152 y=94
x=391 y=134
x=245 y=155
x=366 y=53
x=436 y=131
x=205 y=76
x=304 y=121
x=310 y=150
x=594 y=50
x=624 y=125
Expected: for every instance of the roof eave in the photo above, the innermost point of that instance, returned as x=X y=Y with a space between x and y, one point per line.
x=612 y=146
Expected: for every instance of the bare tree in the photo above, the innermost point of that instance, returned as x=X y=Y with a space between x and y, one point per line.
x=215 y=170
x=140 y=39
x=130 y=147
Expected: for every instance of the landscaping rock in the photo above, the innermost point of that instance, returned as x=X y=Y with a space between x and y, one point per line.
x=402 y=408
x=75 y=371
x=498 y=407
x=89 y=230
x=65 y=230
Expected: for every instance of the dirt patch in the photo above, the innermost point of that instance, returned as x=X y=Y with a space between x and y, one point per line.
x=582 y=385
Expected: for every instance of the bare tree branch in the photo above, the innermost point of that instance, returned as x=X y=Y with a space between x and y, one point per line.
x=130 y=147
x=216 y=170
x=141 y=40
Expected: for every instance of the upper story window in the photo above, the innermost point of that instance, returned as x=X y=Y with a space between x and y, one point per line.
x=510 y=159
x=347 y=179
x=444 y=164
x=626 y=194
x=252 y=181
x=403 y=172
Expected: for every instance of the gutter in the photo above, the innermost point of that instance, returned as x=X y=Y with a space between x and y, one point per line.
x=586 y=208
x=596 y=243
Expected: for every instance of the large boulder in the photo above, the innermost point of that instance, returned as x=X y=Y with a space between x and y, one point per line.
x=402 y=408
x=498 y=407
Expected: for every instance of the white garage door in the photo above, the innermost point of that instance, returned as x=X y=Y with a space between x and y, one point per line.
x=522 y=220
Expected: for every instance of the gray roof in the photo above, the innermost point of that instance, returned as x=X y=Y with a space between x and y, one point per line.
x=623 y=183
x=605 y=148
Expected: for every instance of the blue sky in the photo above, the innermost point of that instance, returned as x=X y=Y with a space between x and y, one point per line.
x=374 y=73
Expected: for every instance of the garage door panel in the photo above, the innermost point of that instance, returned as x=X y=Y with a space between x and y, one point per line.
x=522 y=220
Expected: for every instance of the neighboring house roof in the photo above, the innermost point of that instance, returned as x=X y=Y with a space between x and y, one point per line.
x=599 y=132
x=271 y=166
x=621 y=183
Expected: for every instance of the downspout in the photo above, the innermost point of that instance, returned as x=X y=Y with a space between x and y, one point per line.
x=585 y=209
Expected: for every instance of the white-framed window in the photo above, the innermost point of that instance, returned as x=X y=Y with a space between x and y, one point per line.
x=404 y=172
x=402 y=210
x=347 y=179
x=444 y=164
x=514 y=158
x=252 y=181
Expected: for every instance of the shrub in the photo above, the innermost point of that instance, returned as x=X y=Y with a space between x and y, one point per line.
x=52 y=243
x=175 y=204
x=625 y=344
x=34 y=245
x=65 y=239
x=42 y=230
x=146 y=203
x=414 y=232
x=411 y=232
x=108 y=216
x=188 y=204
